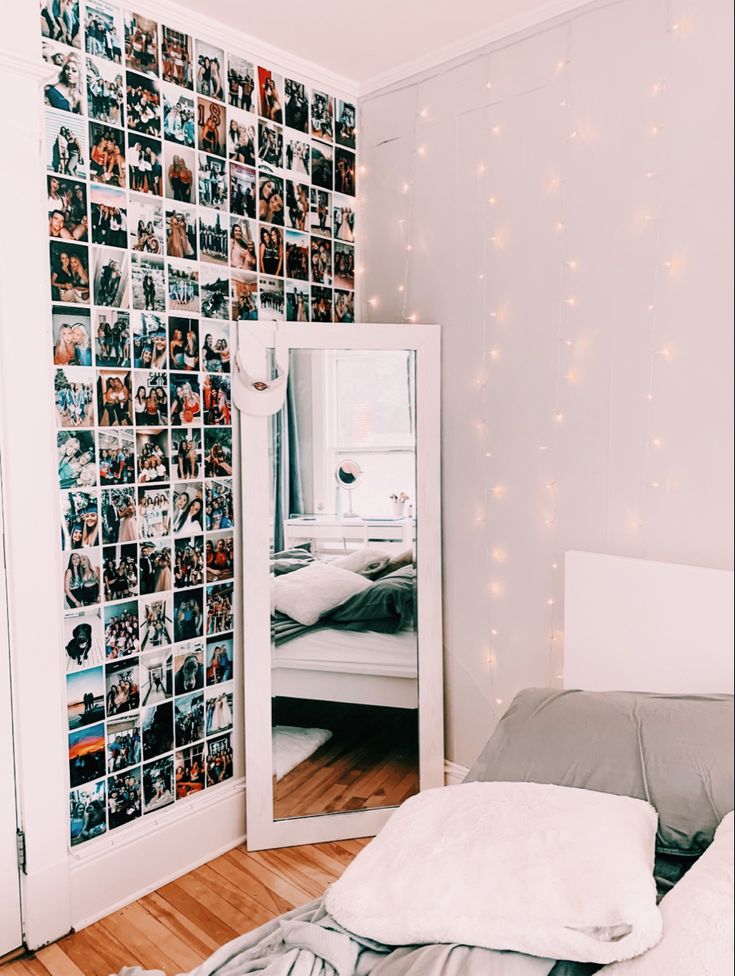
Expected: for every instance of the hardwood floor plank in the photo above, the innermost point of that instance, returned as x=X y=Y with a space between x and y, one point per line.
x=177 y=949
x=271 y=902
x=196 y=938
x=190 y=907
x=55 y=961
x=259 y=869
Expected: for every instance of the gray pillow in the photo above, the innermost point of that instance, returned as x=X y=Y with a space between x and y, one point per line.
x=676 y=751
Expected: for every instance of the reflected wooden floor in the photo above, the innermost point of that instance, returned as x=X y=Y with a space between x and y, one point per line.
x=370 y=761
x=178 y=926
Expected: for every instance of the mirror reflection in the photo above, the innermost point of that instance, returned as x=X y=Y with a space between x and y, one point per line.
x=343 y=584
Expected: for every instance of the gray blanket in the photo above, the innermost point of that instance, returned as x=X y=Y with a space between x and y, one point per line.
x=308 y=942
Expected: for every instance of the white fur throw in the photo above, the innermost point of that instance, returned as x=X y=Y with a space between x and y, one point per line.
x=697 y=913
x=546 y=870
x=307 y=593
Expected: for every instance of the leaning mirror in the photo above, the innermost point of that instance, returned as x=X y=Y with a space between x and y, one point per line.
x=341 y=591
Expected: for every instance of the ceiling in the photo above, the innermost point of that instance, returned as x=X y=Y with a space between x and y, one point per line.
x=375 y=42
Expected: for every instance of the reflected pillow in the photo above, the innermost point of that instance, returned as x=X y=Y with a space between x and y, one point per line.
x=289 y=560
x=367 y=562
x=387 y=606
x=307 y=593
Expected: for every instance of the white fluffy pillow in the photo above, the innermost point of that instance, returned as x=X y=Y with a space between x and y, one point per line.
x=697 y=914
x=362 y=559
x=547 y=870
x=307 y=593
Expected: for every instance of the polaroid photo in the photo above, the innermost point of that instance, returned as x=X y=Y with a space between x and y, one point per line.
x=146 y=224
x=188 y=508
x=76 y=459
x=240 y=83
x=242 y=137
x=103 y=34
x=212 y=181
x=186 y=449
x=107 y=155
x=297 y=301
x=177 y=57
x=85 y=697
x=344 y=307
x=179 y=168
x=156 y=618
x=121 y=630
x=270 y=250
x=189 y=719
x=109 y=216
x=321 y=206
x=86 y=754
x=344 y=266
x=346 y=124
x=87 y=813
x=189 y=562
x=141 y=43
x=72 y=336
x=220 y=653
x=151 y=451
x=243 y=254
x=270 y=199
x=81 y=579
x=183 y=336
x=74 y=396
x=80 y=519
x=67 y=209
x=158 y=782
x=116 y=457
x=297 y=205
x=150 y=341
x=181 y=232
x=150 y=400
x=119 y=515
x=123 y=743
x=215 y=355
x=211 y=127
x=189 y=771
x=143 y=104
x=218 y=453
x=214 y=284
x=62 y=26
x=105 y=92
x=270 y=95
x=66 y=144
x=219 y=759
x=154 y=570
x=69 y=273
x=154 y=512
x=220 y=608
x=220 y=509
x=65 y=91
x=297 y=105
x=120 y=571
x=321 y=304
x=220 y=710
x=186 y=399
x=220 y=557
x=217 y=399
x=322 y=165
x=210 y=71
x=298 y=255
x=270 y=145
x=321 y=261
x=188 y=614
x=183 y=287
x=158 y=731
x=156 y=676
x=145 y=169
x=297 y=155
x=123 y=798
x=111 y=278
x=189 y=667
x=148 y=280
x=242 y=190
x=322 y=116
x=343 y=215
x=114 y=408
x=179 y=126
x=212 y=236
x=272 y=299
x=83 y=640
x=344 y=172
x=122 y=687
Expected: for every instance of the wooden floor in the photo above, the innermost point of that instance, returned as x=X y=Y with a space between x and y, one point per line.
x=178 y=926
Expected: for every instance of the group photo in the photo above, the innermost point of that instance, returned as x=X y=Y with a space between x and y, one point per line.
x=103 y=36
x=69 y=273
x=178 y=116
x=109 y=216
x=158 y=784
x=141 y=43
x=210 y=70
x=144 y=164
x=121 y=630
x=186 y=452
x=71 y=331
x=214 y=284
x=146 y=224
x=176 y=57
x=122 y=687
x=148 y=280
x=215 y=355
x=81 y=579
x=74 y=397
x=116 y=457
x=188 y=508
x=107 y=155
x=112 y=339
x=218 y=452
x=119 y=515
x=105 y=92
x=111 y=277
x=67 y=209
x=120 y=571
x=61 y=23
x=66 y=144
x=220 y=511
x=240 y=83
x=76 y=459
x=154 y=512
x=143 y=104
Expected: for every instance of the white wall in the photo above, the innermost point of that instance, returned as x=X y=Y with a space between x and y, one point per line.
x=600 y=121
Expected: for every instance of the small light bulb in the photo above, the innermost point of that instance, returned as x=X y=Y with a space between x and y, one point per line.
x=481 y=168
x=571 y=301
x=655 y=130
x=563 y=103
x=499 y=555
x=494 y=632
x=413 y=318
x=409 y=247
x=488 y=84
x=481 y=276
x=495 y=354
x=649 y=396
x=656 y=441
x=555 y=565
x=572 y=265
x=405 y=187
x=559 y=225
x=421 y=150
x=401 y=288
x=498 y=701
x=550 y=602
x=491 y=201
x=558 y=416
x=424 y=112
x=495 y=130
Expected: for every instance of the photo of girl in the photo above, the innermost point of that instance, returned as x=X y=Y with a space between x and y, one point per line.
x=66 y=144
x=71 y=337
x=183 y=287
x=219 y=760
x=344 y=219
x=123 y=743
x=219 y=608
x=188 y=614
x=80 y=520
x=322 y=116
x=111 y=278
x=270 y=200
x=270 y=95
x=148 y=283
x=189 y=719
x=181 y=234
x=105 y=92
x=344 y=307
x=219 y=660
x=179 y=169
x=67 y=198
x=69 y=273
x=241 y=137
x=123 y=798
x=76 y=459
x=120 y=571
x=240 y=83
x=219 y=711
x=344 y=265
x=122 y=687
x=156 y=676
x=109 y=216
x=242 y=245
x=107 y=155
x=141 y=43
x=345 y=128
x=60 y=21
x=321 y=206
x=344 y=172
x=186 y=452
x=81 y=579
x=218 y=453
x=119 y=523
x=155 y=621
x=154 y=513
x=298 y=155
x=216 y=400
x=85 y=697
x=216 y=348
x=150 y=400
x=242 y=190
x=321 y=304
x=65 y=91
x=297 y=255
x=103 y=30
x=189 y=563
x=82 y=638
x=149 y=341
x=297 y=205
x=185 y=400
x=189 y=771
x=322 y=165
x=114 y=408
x=178 y=116
x=146 y=225
x=116 y=457
x=270 y=144
x=155 y=567
x=220 y=557
x=321 y=261
x=145 y=170
x=212 y=181
x=210 y=70
x=211 y=133
x=112 y=339
x=176 y=57
x=74 y=397
x=297 y=302
x=297 y=105
x=215 y=288
x=188 y=510
x=121 y=630
x=158 y=780
x=151 y=455
x=143 y=99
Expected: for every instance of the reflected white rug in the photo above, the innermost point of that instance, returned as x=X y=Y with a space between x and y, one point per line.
x=292 y=745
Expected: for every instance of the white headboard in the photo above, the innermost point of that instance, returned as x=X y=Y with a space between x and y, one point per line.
x=635 y=625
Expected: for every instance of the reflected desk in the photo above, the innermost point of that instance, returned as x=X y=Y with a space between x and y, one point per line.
x=334 y=533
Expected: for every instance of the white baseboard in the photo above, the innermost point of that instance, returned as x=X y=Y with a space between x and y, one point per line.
x=453 y=773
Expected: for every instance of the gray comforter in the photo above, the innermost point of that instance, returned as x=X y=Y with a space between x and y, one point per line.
x=308 y=942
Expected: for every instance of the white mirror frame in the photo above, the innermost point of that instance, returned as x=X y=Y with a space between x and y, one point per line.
x=255 y=339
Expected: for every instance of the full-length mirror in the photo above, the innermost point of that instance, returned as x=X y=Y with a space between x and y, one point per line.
x=341 y=583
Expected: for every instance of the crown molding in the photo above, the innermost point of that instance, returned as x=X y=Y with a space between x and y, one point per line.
x=207 y=28
x=17 y=64
x=546 y=11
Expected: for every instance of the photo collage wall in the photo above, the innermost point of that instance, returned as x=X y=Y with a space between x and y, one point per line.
x=188 y=188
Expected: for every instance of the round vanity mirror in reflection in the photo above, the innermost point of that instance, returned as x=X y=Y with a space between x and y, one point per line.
x=347 y=476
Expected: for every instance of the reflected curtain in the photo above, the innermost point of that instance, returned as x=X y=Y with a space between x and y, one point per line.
x=288 y=493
